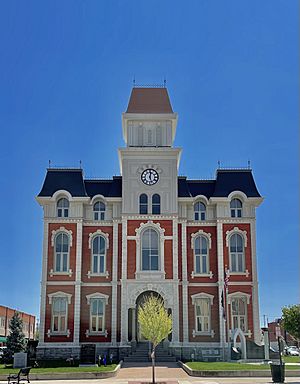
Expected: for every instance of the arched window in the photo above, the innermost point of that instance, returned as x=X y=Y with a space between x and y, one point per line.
x=61 y=262
x=98 y=254
x=63 y=208
x=59 y=314
x=236 y=208
x=237 y=257
x=150 y=252
x=97 y=315
x=200 y=211
x=156 y=204
x=99 y=211
x=143 y=204
x=201 y=255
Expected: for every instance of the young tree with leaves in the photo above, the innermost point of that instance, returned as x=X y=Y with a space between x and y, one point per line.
x=16 y=339
x=291 y=320
x=155 y=324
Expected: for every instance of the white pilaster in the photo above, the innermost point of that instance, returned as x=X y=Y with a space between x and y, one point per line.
x=175 y=249
x=256 y=324
x=124 y=308
x=133 y=318
x=185 y=324
x=220 y=255
x=114 y=284
x=43 y=284
x=78 y=282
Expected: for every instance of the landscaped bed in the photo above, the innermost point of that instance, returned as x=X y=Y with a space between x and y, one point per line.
x=223 y=366
x=6 y=370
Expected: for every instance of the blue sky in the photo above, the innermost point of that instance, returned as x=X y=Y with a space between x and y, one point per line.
x=66 y=70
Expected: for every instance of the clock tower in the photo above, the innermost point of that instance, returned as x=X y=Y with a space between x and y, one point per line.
x=149 y=163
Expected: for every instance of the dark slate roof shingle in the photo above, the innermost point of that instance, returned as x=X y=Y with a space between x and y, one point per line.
x=70 y=180
x=107 y=188
x=226 y=182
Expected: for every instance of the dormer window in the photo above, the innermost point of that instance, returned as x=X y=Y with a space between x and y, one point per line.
x=200 y=211
x=63 y=208
x=99 y=211
x=236 y=208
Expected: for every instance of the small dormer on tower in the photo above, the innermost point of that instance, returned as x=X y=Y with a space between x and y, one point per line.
x=149 y=120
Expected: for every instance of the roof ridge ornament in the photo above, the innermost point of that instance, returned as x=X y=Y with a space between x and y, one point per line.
x=156 y=85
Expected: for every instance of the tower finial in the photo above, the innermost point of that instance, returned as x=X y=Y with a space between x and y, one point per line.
x=133 y=81
x=165 y=82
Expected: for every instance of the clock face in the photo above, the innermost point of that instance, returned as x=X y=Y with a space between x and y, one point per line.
x=149 y=177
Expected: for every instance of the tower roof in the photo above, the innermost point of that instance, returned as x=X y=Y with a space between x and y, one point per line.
x=149 y=100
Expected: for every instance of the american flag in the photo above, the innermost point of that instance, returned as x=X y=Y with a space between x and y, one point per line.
x=226 y=278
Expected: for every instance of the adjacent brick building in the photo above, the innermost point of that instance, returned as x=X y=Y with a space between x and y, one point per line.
x=6 y=314
x=109 y=243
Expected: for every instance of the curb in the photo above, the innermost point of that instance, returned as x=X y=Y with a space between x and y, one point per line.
x=70 y=375
x=256 y=373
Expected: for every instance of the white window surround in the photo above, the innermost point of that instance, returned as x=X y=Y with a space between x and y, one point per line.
x=197 y=296
x=68 y=297
x=91 y=238
x=55 y=233
x=140 y=274
x=239 y=295
x=236 y=230
x=193 y=238
x=104 y=298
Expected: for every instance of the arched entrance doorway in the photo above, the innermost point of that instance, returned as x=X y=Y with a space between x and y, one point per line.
x=134 y=333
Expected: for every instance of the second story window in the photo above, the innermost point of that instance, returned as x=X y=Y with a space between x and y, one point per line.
x=61 y=263
x=150 y=252
x=156 y=204
x=63 y=208
x=236 y=208
x=201 y=255
x=99 y=211
x=98 y=254
x=200 y=211
x=237 y=256
x=143 y=204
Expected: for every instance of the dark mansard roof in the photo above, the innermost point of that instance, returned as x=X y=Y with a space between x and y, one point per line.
x=72 y=180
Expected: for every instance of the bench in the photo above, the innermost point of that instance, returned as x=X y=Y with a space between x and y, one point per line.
x=22 y=375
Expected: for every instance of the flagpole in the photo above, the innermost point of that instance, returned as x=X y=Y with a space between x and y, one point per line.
x=227 y=314
x=224 y=321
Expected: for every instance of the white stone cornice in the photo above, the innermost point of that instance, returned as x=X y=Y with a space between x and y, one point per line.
x=202 y=295
x=97 y=295
x=99 y=233
x=238 y=294
x=150 y=224
x=207 y=235
x=239 y=231
x=60 y=294
x=63 y=230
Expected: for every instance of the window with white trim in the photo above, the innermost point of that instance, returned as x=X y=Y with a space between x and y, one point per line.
x=2 y=322
x=62 y=207
x=99 y=210
x=156 y=204
x=200 y=211
x=62 y=250
x=98 y=254
x=201 y=255
x=143 y=204
x=59 y=314
x=239 y=313
x=236 y=208
x=150 y=253
x=237 y=254
x=97 y=315
x=203 y=315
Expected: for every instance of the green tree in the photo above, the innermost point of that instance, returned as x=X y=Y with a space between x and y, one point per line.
x=16 y=339
x=291 y=320
x=155 y=324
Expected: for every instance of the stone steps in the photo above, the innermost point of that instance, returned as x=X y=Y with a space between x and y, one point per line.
x=141 y=354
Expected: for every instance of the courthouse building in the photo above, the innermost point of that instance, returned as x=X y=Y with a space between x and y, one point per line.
x=109 y=243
